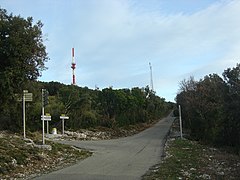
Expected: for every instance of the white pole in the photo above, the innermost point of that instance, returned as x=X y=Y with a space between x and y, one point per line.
x=24 y=118
x=180 y=119
x=62 y=126
x=47 y=128
x=43 y=140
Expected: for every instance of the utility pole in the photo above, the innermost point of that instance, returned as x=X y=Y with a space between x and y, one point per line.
x=151 y=78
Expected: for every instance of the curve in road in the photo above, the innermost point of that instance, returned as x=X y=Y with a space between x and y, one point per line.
x=124 y=158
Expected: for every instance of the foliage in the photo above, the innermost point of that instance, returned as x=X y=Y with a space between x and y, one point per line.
x=210 y=107
x=22 y=58
x=109 y=107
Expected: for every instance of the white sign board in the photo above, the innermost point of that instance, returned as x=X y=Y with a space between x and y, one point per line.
x=46 y=118
x=64 y=117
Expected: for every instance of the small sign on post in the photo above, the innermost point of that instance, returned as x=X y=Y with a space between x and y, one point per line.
x=62 y=117
x=47 y=118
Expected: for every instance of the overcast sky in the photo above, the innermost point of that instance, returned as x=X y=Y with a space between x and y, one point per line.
x=115 y=40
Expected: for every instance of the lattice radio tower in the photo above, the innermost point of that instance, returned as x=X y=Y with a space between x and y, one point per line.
x=151 y=78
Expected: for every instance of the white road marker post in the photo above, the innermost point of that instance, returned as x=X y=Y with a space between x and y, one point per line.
x=180 y=120
x=62 y=117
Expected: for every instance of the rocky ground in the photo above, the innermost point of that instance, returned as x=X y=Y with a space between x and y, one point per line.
x=186 y=159
x=24 y=159
x=100 y=133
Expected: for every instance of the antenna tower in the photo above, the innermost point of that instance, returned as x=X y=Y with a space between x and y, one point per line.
x=73 y=68
x=151 y=78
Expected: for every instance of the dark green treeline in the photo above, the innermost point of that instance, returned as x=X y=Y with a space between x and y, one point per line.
x=211 y=108
x=86 y=107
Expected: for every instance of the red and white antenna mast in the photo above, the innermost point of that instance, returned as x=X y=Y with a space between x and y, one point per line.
x=73 y=68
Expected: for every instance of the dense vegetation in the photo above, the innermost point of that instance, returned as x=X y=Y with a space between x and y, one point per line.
x=22 y=58
x=210 y=107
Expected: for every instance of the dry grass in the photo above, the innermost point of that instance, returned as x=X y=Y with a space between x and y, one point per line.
x=20 y=159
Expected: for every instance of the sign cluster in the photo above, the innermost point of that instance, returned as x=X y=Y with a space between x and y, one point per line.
x=27 y=97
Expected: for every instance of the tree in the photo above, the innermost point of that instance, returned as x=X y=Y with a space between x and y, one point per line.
x=231 y=132
x=22 y=57
x=210 y=108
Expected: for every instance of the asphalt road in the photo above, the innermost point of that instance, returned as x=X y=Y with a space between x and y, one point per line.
x=123 y=159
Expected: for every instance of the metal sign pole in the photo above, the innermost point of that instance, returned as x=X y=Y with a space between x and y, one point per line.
x=180 y=119
x=43 y=139
x=24 y=117
x=62 y=117
x=62 y=126
x=47 y=127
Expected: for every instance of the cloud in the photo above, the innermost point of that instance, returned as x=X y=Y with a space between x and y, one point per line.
x=115 y=40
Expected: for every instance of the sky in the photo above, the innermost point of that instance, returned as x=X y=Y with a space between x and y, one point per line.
x=114 y=40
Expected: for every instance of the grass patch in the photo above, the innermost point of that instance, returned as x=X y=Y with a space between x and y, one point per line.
x=186 y=159
x=183 y=159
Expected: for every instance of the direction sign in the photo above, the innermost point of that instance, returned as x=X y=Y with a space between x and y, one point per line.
x=64 y=117
x=45 y=118
x=28 y=96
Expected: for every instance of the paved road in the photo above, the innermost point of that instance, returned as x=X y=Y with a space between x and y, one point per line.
x=124 y=158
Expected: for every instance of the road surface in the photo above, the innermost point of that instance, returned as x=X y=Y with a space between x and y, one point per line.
x=123 y=159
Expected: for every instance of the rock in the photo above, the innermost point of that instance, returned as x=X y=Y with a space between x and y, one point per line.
x=220 y=173
x=14 y=162
x=45 y=146
x=205 y=176
x=81 y=136
x=28 y=141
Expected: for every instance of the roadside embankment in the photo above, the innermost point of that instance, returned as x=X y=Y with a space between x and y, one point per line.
x=186 y=159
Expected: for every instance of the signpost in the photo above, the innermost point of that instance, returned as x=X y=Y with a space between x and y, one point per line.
x=27 y=97
x=44 y=103
x=62 y=117
x=47 y=118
